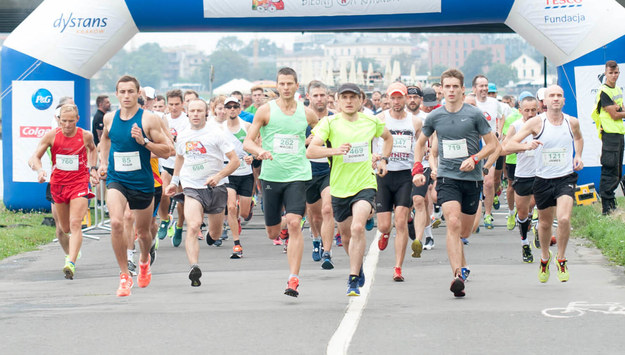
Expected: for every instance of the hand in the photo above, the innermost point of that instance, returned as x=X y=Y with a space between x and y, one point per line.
x=170 y=190
x=433 y=174
x=264 y=155
x=248 y=159
x=41 y=176
x=343 y=149
x=467 y=165
x=308 y=139
x=212 y=181
x=382 y=168
x=418 y=180
x=137 y=134
x=102 y=172
x=93 y=177
x=533 y=144
x=578 y=164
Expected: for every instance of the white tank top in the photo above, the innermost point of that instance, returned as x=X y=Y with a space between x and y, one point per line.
x=525 y=161
x=402 y=155
x=176 y=126
x=554 y=158
x=425 y=162
x=243 y=169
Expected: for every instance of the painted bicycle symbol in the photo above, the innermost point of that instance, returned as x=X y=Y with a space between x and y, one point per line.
x=578 y=309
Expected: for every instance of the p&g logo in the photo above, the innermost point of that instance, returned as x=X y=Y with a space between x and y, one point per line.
x=42 y=99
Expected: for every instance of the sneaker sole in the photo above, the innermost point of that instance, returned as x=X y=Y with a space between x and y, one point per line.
x=327 y=265
x=457 y=287
x=417 y=248
x=291 y=292
x=69 y=274
x=194 y=276
x=398 y=278
x=236 y=256
x=353 y=293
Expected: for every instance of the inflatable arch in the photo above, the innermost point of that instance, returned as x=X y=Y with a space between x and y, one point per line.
x=63 y=43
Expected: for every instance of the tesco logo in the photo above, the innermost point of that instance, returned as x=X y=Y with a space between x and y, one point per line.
x=34 y=131
x=42 y=99
x=563 y=2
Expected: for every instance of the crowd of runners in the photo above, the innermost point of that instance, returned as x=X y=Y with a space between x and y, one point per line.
x=408 y=158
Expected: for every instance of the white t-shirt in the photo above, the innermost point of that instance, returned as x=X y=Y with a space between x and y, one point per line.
x=176 y=127
x=203 y=151
x=491 y=110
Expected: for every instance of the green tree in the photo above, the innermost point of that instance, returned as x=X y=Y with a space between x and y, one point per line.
x=264 y=71
x=405 y=62
x=437 y=70
x=228 y=65
x=230 y=42
x=475 y=64
x=266 y=48
x=147 y=64
x=501 y=74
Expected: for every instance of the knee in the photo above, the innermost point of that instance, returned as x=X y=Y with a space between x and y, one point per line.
x=232 y=209
x=326 y=211
x=357 y=229
x=453 y=222
x=384 y=226
x=293 y=224
x=489 y=182
x=418 y=203
x=117 y=224
x=564 y=222
x=75 y=223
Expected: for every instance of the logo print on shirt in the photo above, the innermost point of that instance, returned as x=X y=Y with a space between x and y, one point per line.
x=195 y=147
x=487 y=116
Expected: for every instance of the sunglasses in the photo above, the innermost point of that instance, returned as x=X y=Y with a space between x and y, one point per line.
x=228 y=107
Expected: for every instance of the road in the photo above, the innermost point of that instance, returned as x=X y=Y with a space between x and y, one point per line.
x=240 y=307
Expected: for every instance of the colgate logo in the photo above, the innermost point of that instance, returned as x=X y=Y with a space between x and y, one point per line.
x=33 y=131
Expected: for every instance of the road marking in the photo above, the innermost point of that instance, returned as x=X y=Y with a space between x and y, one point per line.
x=577 y=309
x=339 y=343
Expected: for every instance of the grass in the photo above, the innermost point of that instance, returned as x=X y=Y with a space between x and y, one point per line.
x=606 y=232
x=22 y=231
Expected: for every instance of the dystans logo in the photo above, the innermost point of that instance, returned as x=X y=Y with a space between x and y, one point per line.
x=42 y=99
x=34 y=131
x=80 y=24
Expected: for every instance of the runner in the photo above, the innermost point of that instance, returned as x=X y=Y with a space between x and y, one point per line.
x=458 y=127
x=318 y=199
x=241 y=181
x=129 y=135
x=559 y=144
x=199 y=167
x=282 y=127
x=74 y=156
x=394 y=189
x=352 y=184
x=524 y=173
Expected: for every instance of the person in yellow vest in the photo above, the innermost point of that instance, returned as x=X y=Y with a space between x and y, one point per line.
x=608 y=116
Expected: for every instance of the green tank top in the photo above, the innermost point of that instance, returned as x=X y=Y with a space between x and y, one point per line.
x=515 y=115
x=284 y=137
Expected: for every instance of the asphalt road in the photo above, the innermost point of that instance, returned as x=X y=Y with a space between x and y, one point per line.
x=240 y=307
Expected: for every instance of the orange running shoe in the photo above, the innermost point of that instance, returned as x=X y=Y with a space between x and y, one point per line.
x=397 y=275
x=291 y=287
x=145 y=274
x=383 y=241
x=125 y=284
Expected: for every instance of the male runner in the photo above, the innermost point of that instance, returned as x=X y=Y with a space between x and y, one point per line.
x=559 y=144
x=73 y=152
x=199 y=167
x=458 y=127
x=258 y=98
x=281 y=124
x=129 y=135
x=352 y=184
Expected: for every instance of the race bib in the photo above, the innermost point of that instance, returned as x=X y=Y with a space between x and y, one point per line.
x=402 y=144
x=67 y=162
x=242 y=165
x=127 y=161
x=530 y=153
x=554 y=156
x=455 y=148
x=358 y=153
x=199 y=170
x=285 y=143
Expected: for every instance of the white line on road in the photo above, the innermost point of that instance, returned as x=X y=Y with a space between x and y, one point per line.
x=339 y=343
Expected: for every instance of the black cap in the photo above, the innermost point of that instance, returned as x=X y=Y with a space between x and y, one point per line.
x=349 y=87
x=429 y=97
x=415 y=90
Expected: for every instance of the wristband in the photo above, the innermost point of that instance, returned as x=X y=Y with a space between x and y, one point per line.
x=417 y=168
x=94 y=168
x=175 y=180
x=475 y=159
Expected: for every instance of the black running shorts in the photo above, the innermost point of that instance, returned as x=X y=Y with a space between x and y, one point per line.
x=466 y=192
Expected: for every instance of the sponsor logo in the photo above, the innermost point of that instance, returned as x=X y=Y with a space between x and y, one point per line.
x=80 y=24
x=570 y=15
x=272 y=5
x=42 y=99
x=34 y=131
x=562 y=4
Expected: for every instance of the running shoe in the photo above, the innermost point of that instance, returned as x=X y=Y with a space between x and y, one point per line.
x=125 y=284
x=291 y=287
x=477 y=230
x=249 y=216
x=383 y=241
x=465 y=241
x=162 y=228
x=177 y=238
x=285 y=248
x=397 y=274
x=369 y=225
x=302 y=222
x=543 y=269
x=411 y=232
x=171 y=230
x=511 y=223
x=316 y=252
x=69 y=269
x=361 y=276
x=218 y=243
x=527 y=254
x=326 y=264
x=563 y=270
x=457 y=287
x=464 y=273
x=352 y=286
x=554 y=241
x=429 y=243
x=237 y=252
x=536 y=239
x=496 y=203
x=436 y=222
x=194 y=276
x=153 y=251
x=284 y=234
x=224 y=234
x=337 y=238
x=277 y=241
x=145 y=274
x=417 y=248
x=488 y=221
x=200 y=236
x=132 y=268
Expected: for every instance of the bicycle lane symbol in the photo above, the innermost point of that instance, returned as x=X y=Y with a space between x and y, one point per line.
x=578 y=309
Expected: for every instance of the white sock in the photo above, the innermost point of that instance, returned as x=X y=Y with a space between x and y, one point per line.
x=510 y=212
x=428 y=231
x=130 y=253
x=525 y=241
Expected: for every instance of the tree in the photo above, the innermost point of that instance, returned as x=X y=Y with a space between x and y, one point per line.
x=266 y=48
x=475 y=64
x=147 y=64
x=228 y=65
x=405 y=62
x=230 y=42
x=501 y=74
x=437 y=70
x=264 y=71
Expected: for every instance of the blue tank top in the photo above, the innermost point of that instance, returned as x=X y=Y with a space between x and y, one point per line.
x=133 y=168
x=318 y=168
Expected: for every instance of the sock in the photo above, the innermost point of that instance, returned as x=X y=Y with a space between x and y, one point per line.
x=195 y=265
x=209 y=239
x=510 y=212
x=543 y=260
x=130 y=253
x=237 y=242
x=524 y=227
x=317 y=239
x=559 y=260
x=293 y=275
x=428 y=231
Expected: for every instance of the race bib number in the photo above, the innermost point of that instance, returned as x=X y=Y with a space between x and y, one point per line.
x=455 y=148
x=199 y=170
x=402 y=144
x=285 y=143
x=554 y=156
x=127 y=161
x=67 y=162
x=358 y=153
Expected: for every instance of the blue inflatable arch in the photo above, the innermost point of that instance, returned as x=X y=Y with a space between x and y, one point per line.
x=63 y=43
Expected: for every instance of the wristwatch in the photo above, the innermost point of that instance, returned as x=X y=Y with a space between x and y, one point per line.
x=146 y=141
x=385 y=159
x=485 y=171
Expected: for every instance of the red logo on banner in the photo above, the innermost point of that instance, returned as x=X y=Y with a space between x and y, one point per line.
x=34 y=131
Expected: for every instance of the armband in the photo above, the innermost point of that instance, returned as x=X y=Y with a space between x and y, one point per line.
x=417 y=168
x=175 y=180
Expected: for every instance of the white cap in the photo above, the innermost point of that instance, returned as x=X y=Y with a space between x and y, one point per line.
x=150 y=93
x=540 y=94
x=231 y=99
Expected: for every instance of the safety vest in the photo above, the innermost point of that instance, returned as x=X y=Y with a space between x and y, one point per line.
x=603 y=120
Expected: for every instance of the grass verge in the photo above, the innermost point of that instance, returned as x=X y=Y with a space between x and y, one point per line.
x=22 y=231
x=606 y=232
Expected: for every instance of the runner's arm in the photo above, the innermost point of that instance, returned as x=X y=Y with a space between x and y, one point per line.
x=316 y=149
x=530 y=127
x=232 y=165
x=105 y=145
x=578 y=143
x=250 y=143
x=495 y=155
x=171 y=188
x=159 y=144
x=506 y=140
x=92 y=156
x=35 y=160
x=311 y=117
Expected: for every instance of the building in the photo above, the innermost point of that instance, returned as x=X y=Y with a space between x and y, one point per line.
x=527 y=69
x=452 y=50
